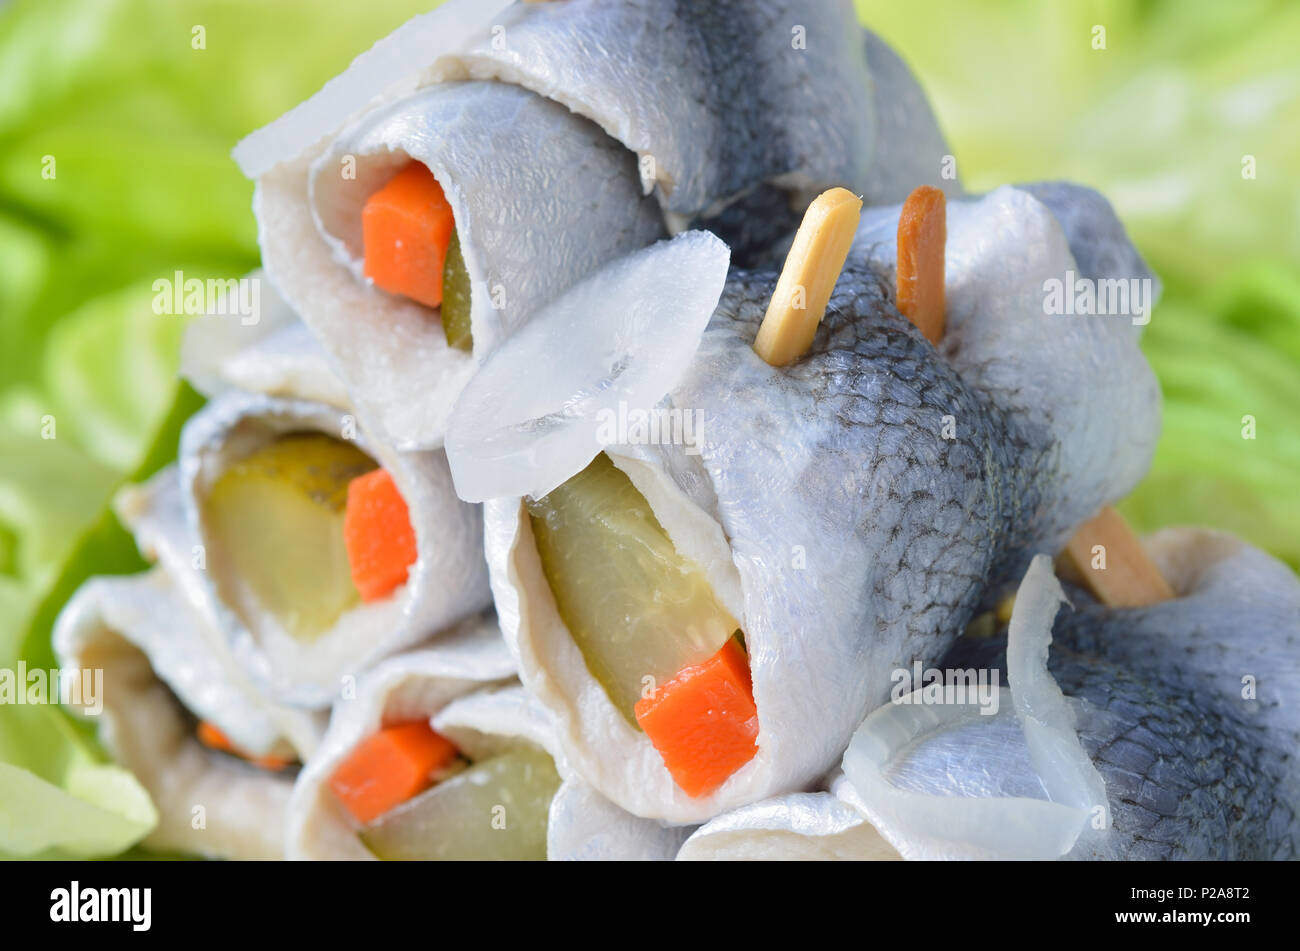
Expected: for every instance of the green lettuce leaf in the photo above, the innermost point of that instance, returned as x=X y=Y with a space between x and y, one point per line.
x=117 y=124
x=67 y=803
x=58 y=795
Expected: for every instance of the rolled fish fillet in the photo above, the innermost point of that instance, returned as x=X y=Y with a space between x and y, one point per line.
x=539 y=139
x=486 y=782
x=320 y=549
x=1165 y=732
x=846 y=515
x=163 y=665
x=796 y=827
x=268 y=351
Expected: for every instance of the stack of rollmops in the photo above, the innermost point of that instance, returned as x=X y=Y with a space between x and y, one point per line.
x=600 y=476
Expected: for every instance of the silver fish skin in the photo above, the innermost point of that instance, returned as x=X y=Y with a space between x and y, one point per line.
x=1199 y=762
x=851 y=505
x=851 y=510
x=846 y=509
x=719 y=98
x=910 y=150
x=541 y=196
x=1004 y=250
x=507 y=160
x=734 y=114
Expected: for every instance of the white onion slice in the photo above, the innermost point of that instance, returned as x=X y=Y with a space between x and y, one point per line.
x=618 y=341
x=391 y=67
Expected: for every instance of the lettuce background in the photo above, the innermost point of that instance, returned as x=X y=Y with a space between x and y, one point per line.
x=139 y=124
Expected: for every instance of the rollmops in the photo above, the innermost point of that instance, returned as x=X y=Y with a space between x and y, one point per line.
x=549 y=139
x=168 y=681
x=837 y=519
x=490 y=783
x=1153 y=733
x=1179 y=725
x=316 y=548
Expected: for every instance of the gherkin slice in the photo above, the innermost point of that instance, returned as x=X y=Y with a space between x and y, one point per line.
x=637 y=609
x=456 y=297
x=496 y=809
x=277 y=518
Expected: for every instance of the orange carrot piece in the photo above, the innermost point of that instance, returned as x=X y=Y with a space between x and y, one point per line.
x=922 y=234
x=406 y=227
x=272 y=764
x=378 y=534
x=389 y=767
x=211 y=736
x=704 y=722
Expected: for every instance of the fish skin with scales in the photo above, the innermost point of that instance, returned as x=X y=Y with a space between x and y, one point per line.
x=1196 y=765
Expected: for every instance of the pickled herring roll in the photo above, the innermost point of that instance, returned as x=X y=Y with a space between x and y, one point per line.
x=322 y=550
x=1162 y=732
x=273 y=354
x=216 y=756
x=428 y=763
x=486 y=156
x=708 y=622
x=796 y=827
x=430 y=229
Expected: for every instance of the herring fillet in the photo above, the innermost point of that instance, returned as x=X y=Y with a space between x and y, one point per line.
x=850 y=517
x=714 y=97
x=1002 y=249
x=391 y=68
x=1199 y=762
x=910 y=151
x=858 y=506
x=274 y=354
x=541 y=197
x=802 y=827
x=146 y=638
x=1195 y=758
x=761 y=92
x=411 y=686
x=850 y=520
x=463 y=686
x=1221 y=664
x=446 y=584
x=757 y=105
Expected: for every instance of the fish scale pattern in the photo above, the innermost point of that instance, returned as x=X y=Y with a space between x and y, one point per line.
x=850 y=446
x=1185 y=780
x=678 y=82
x=1187 y=775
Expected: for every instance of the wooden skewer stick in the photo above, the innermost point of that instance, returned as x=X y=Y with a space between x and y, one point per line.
x=811 y=269
x=1108 y=558
x=1104 y=554
x=922 y=236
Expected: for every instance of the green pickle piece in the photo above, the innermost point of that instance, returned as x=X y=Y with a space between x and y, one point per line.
x=635 y=607
x=277 y=516
x=495 y=810
x=456 y=297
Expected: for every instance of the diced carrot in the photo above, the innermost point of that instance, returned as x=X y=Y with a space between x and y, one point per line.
x=406 y=227
x=210 y=735
x=922 y=234
x=272 y=764
x=378 y=534
x=704 y=722
x=389 y=767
